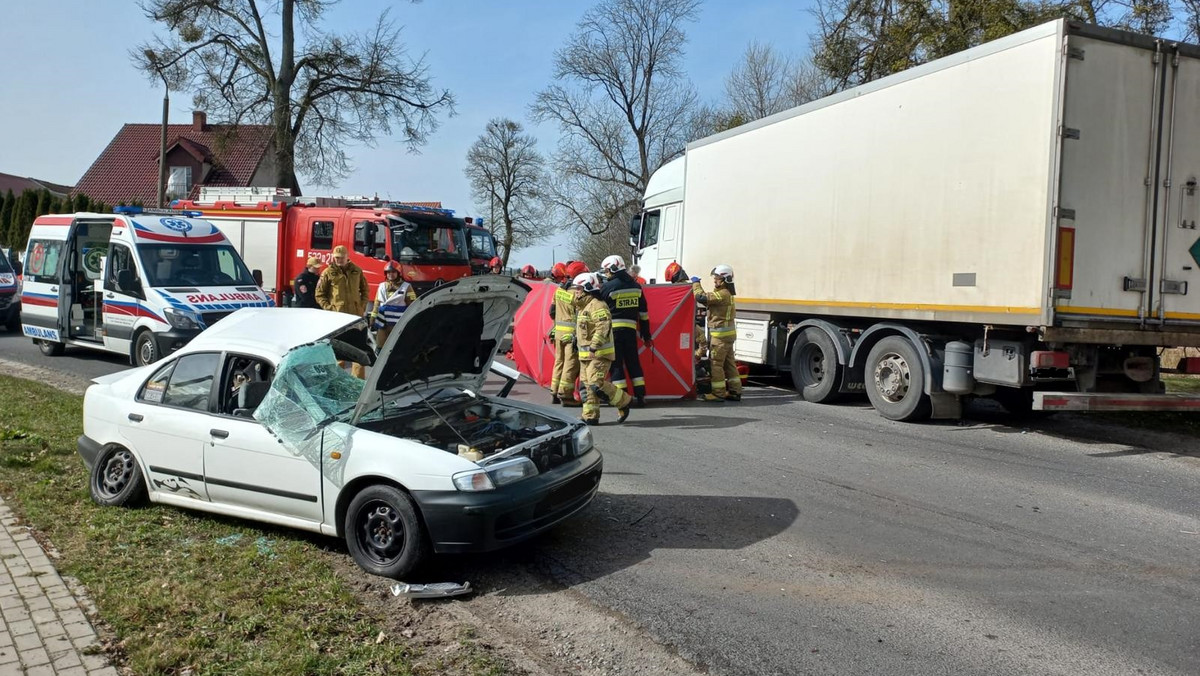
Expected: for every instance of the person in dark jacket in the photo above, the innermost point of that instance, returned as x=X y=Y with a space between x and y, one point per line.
x=629 y=318
x=305 y=285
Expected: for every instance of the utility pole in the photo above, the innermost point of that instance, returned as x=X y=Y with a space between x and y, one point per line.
x=162 y=139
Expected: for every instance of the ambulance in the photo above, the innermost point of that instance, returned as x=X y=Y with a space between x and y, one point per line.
x=135 y=282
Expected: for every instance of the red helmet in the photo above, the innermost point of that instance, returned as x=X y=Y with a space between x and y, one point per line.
x=392 y=266
x=576 y=268
x=559 y=271
x=672 y=270
x=495 y=262
x=528 y=272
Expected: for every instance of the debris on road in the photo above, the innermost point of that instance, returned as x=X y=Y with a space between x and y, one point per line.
x=436 y=590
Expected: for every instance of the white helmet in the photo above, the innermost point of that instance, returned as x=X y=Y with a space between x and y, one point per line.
x=613 y=264
x=724 y=272
x=588 y=281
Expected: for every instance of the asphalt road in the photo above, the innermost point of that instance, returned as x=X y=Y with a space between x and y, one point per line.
x=780 y=537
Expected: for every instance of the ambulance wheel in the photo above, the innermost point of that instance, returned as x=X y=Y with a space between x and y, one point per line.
x=145 y=350
x=50 y=348
x=816 y=372
x=896 y=380
x=14 y=322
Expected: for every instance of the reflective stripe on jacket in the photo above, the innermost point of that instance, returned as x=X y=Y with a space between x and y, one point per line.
x=627 y=304
x=595 y=331
x=563 y=313
x=721 y=312
x=391 y=300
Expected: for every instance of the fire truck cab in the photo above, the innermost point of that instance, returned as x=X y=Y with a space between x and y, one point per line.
x=277 y=234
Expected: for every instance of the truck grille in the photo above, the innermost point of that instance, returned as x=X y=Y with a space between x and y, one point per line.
x=210 y=318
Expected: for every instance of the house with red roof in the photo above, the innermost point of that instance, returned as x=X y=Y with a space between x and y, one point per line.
x=198 y=155
x=19 y=184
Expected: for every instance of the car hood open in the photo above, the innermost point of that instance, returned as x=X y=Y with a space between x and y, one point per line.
x=447 y=338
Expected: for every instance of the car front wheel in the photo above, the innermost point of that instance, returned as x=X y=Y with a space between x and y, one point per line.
x=116 y=479
x=384 y=533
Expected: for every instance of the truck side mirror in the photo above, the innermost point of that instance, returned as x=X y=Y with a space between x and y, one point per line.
x=635 y=224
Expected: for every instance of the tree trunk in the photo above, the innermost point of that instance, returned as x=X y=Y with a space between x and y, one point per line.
x=281 y=118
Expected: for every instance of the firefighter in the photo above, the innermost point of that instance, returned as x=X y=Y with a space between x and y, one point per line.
x=562 y=337
x=636 y=272
x=343 y=288
x=722 y=333
x=495 y=266
x=305 y=284
x=594 y=334
x=392 y=298
x=529 y=272
x=629 y=317
x=559 y=273
x=675 y=274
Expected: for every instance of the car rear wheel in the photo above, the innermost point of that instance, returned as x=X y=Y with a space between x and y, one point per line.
x=116 y=479
x=50 y=348
x=384 y=533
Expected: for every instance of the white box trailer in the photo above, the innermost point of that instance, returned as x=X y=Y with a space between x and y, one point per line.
x=1016 y=219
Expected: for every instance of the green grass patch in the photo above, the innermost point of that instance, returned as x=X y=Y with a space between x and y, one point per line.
x=189 y=590
x=1167 y=421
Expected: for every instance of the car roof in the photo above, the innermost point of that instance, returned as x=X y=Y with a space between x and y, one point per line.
x=268 y=331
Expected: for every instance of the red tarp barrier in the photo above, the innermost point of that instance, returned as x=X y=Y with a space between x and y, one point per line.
x=668 y=368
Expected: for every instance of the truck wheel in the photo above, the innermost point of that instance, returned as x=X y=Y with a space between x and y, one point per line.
x=384 y=533
x=896 y=380
x=50 y=348
x=116 y=479
x=145 y=350
x=816 y=372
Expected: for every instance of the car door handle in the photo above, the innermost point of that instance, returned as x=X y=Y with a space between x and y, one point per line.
x=136 y=417
x=54 y=289
x=110 y=294
x=220 y=434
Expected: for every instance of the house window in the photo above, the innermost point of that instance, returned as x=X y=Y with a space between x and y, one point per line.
x=179 y=182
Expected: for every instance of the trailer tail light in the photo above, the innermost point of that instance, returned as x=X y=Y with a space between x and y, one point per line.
x=1046 y=359
x=1064 y=268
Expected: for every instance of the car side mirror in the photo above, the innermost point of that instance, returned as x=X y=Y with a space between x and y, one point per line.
x=257 y=275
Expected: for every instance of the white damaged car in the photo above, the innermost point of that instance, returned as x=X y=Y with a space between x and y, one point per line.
x=255 y=419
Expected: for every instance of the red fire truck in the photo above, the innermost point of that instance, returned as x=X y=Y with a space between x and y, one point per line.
x=276 y=234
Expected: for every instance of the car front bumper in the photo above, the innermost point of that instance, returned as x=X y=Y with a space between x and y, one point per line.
x=463 y=521
x=170 y=341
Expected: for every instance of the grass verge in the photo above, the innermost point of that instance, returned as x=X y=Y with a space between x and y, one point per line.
x=1170 y=421
x=189 y=592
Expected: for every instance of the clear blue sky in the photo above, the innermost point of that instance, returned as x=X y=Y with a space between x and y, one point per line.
x=68 y=85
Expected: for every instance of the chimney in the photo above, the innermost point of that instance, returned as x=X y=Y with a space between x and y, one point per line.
x=199 y=120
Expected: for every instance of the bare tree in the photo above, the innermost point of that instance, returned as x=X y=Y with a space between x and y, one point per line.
x=766 y=82
x=622 y=105
x=507 y=173
x=318 y=94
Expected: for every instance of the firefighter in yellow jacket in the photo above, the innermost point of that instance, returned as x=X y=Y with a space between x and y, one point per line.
x=594 y=334
x=722 y=333
x=566 y=360
x=343 y=288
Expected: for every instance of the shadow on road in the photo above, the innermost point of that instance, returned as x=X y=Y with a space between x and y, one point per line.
x=618 y=531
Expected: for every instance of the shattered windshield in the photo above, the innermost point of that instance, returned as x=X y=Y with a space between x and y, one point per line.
x=309 y=389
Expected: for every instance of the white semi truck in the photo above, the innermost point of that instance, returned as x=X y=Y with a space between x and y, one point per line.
x=1016 y=221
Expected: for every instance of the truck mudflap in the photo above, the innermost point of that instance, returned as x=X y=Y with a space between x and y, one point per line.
x=1114 y=401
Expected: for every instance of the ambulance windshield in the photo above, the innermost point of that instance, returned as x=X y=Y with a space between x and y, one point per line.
x=417 y=239
x=173 y=265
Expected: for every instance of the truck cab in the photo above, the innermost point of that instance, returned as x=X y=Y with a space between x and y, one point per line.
x=135 y=283
x=481 y=244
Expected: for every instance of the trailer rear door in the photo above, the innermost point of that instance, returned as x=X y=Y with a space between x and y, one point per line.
x=1176 y=273
x=1110 y=137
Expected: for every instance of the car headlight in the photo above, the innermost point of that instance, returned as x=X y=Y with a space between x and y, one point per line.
x=181 y=320
x=583 y=440
x=494 y=476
